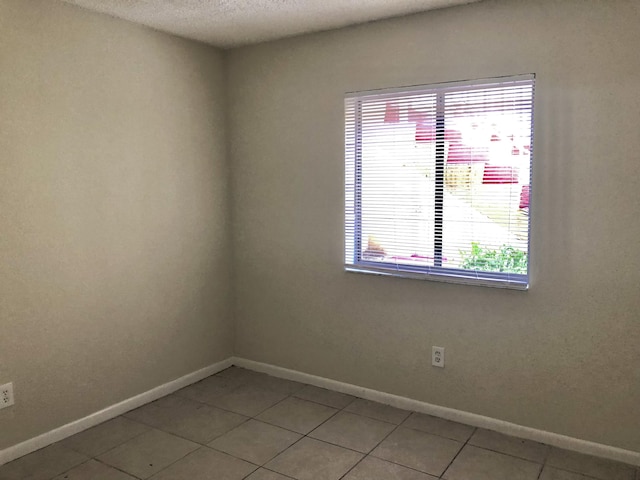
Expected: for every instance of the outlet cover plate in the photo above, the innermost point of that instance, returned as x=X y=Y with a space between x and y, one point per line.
x=6 y=395
x=437 y=356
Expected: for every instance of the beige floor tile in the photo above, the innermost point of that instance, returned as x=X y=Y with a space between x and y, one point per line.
x=93 y=470
x=372 y=468
x=378 y=411
x=208 y=389
x=534 y=451
x=255 y=441
x=553 y=473
x=298 y=415
x=264 y=474
x=261 y=380
x=103 y=437
x=207 y=464
x=278 y=385
x=418 y=450
x=590 y=466
x=325 y=397
x=186 y=418
x=242 y=375
x=43 y=464
x=353 y=431
x=311 y=459
x=475 y=463
x=248 y=400
x=439 y=426
x=148 y=453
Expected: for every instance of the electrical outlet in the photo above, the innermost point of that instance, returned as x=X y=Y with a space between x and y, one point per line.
x=6 y=395
x=437 y=356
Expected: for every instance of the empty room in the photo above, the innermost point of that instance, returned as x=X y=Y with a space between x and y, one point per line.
x=304 y=240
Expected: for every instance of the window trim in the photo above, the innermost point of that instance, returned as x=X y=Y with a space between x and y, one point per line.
x=425 y=272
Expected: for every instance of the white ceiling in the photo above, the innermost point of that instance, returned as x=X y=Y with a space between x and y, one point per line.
x=231 y=23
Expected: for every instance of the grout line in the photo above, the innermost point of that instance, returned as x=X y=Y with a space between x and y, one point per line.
x=457 y=454
x=409 y=412
x=353 y=399
x=125 y=441
x=542 y=469
x=115 y=468
x=268 y=470
x=369 y=454
x=75 y=466
x=163 y=430
x=588 y=475
x=545 y=459
x=303 y=436
x=540 y=472
x=211 y=405
x=278 y=473
x=580 y=474
x=473 y=429
x=164 y=468
x=255 y=417
x=499 y=452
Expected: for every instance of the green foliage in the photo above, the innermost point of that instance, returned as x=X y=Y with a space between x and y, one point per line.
x=507 y=259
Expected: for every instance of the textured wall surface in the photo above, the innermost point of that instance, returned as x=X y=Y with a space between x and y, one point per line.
x=562 y=357
x=114 y=238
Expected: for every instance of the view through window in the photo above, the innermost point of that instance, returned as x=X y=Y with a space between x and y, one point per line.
x=438 y=181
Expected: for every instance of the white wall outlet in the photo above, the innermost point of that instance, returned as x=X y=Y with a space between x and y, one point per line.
x=437 y=356
x=6 y=395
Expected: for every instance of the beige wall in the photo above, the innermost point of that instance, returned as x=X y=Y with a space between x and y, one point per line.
x=114 y=222
x=562 y=357
x=114 y=238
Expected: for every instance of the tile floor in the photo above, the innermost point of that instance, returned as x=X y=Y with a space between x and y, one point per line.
x=240 y=424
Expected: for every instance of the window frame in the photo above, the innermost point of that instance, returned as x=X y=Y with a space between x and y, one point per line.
x=353 y=201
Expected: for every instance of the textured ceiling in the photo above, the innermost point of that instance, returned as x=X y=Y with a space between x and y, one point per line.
x=231 y=23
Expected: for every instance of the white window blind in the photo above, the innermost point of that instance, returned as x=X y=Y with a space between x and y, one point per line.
x=438 y=181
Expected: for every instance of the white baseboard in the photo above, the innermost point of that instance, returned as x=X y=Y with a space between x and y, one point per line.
x=60 y=433
x=549 y=438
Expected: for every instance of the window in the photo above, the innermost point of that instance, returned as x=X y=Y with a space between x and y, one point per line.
x=438 y=180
